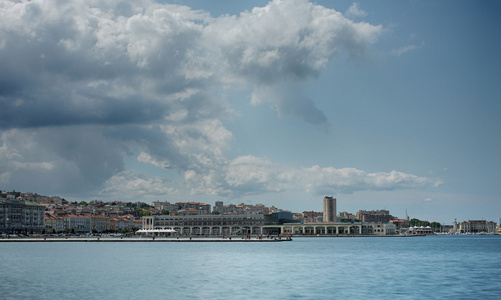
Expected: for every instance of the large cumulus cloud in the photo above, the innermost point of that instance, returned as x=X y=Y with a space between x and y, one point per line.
x=249 y=174
x=86 y=84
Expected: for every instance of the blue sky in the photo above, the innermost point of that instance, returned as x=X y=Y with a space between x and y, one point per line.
x=381 y=104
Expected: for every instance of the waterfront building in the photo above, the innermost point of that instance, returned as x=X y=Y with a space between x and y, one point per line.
x=19 y=216
x=336 y=229
x=207 y=224
x=99 y=223
x=259 y=224
x=53 y=224
x=77 y=223
x=329 y=209
x=477 y=226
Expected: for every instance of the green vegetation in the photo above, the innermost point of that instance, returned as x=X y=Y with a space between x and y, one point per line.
x=143 y=213
x=417 y=222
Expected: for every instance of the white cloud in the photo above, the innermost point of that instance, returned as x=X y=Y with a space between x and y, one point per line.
x=249 y=174
x=127 y=185
x=355 y=11
x=282 y=44
x=405 y=49
x=430 y=197
x=146 y=158
x=86 y=83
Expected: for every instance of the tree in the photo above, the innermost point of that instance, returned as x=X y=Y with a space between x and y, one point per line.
x=143 y=213
x=417 y=222
x=165 y=212
x=83 y=203
x=414 y=222
x=435 y=225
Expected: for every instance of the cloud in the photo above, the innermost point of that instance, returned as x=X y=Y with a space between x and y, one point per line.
x=91 y=63
x=250 y=174
x=405 y=49
x=355 y=11
x=289 y=102
x=430 y=197
x=286 y=42
x=127 y=185
x=69 y=160
x=87 y=84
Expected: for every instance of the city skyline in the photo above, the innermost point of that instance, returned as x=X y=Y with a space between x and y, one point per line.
x=380 y=104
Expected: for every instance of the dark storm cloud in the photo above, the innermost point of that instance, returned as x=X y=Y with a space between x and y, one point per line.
x=69 y=159
x=86 y=67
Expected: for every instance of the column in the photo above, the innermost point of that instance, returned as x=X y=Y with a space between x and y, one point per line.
x=337 y=229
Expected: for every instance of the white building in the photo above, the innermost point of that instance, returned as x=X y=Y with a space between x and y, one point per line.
x=78 y=224
x=477 y=226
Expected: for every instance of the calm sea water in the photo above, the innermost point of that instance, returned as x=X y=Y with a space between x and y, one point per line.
x=432 y=267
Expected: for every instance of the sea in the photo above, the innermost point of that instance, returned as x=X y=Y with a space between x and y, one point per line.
x=427 y=267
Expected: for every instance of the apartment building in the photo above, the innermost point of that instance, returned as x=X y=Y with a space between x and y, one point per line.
x=18 y=216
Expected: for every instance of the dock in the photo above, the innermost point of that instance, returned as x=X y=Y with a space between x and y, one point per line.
x=142 y=240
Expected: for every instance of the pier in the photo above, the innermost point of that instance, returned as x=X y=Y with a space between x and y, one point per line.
x=144 y=240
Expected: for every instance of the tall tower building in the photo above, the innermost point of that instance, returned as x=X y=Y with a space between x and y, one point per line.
x=329 y=209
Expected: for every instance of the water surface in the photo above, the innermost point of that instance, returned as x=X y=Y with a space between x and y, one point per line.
x=432 y=267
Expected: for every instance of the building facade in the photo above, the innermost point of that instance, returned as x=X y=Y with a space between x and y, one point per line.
x=53 y=224
x=312 y=217
x=207 y=224
x=77 y=224
x=329 y=210
x=381 y=216
x=18 y=216
x=259 y=224
x=477 y=226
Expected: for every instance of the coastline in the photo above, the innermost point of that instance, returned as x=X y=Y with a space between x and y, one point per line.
x=178 y=240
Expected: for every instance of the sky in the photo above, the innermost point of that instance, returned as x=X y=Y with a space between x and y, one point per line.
x=382 y=104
